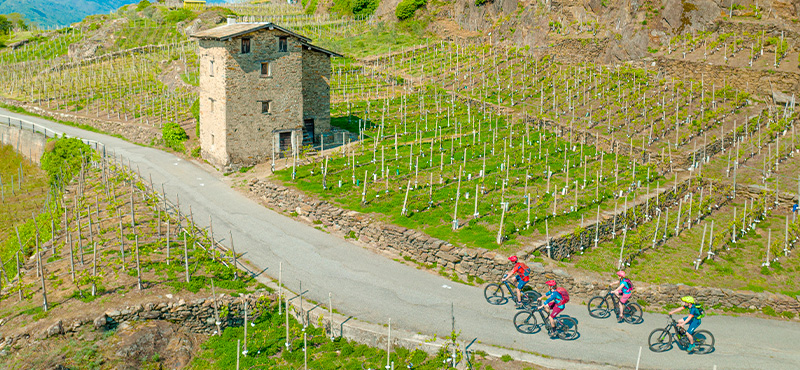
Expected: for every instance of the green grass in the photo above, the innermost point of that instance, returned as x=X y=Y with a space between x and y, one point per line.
x=380 y=40
x=266 y=349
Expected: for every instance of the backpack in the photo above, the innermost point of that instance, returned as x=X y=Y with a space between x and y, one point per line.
x=701 y=311
x=564 y=295
x=630 y=284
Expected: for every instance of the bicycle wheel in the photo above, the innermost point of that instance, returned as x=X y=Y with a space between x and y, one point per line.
x=567 y=328
x=530 y=295
x=704 y=342
x=660 y=340
x=598 y=307
x=494 y=294
x=525 y=322
x=633 y=313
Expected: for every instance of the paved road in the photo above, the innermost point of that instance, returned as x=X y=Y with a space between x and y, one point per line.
x=374 y=288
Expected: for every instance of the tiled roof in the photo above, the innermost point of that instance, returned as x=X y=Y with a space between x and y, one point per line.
x=238 y=29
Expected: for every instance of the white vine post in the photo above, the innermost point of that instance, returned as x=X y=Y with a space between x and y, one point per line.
x=622 y=249
x=769 y=241
x=244 y=352
x=702 y=243
x=286 y=311
x=389 y=346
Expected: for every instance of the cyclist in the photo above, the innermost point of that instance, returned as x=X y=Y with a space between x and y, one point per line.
x=522 y=274
x=693 y=320
x=624 y=291
x=554 y=304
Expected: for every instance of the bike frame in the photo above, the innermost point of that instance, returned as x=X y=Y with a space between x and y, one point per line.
x=672 y=328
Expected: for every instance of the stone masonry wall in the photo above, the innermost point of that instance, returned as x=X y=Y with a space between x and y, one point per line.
x=316 y=89
x=250 y=132
x=27 y=143
x=213 y=101
x=490 y=265
x=759 y=82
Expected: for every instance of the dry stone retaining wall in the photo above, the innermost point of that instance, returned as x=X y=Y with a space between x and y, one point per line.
x=489 y=265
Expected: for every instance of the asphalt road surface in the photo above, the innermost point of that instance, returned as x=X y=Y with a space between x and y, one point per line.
x=374 y=288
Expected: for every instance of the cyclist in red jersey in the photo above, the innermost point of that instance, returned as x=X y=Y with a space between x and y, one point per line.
x=521 y=272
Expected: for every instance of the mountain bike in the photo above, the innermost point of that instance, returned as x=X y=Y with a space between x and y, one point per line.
x=600 y=307
x=526 y=323
x=660 y=340
x=496 y=295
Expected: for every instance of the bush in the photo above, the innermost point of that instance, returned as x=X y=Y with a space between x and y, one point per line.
x=407 y=8
x=312 y=7
x=363 y=8
x=142 y=5
x=179 y=15
x=480 y=2
x=173 y=136
x=65 y=159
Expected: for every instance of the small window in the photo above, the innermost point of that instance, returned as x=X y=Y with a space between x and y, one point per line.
x=283 y=44
x=211 y=101
x=266 y=69
x=245 y=46
x=266 y=106
x=211 y=69
x=212 y=139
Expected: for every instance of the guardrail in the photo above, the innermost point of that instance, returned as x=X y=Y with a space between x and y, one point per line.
x=35 y=127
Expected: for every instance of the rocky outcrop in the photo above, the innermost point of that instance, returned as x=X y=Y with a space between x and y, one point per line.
x=689 y=15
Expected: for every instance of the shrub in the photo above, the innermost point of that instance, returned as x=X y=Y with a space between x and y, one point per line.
x=65 y=159
x=480 y=2
x=312 y=7
x=142 y=5
x=363 y=8
x=179 y=15
x=173 y=136
x=407 y=8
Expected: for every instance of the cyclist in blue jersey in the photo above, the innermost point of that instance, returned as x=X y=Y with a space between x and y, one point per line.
x=554 y=304
x=693 y=320
x=624 y=292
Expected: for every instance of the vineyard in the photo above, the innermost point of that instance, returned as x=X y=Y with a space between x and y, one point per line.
x=110 y=234
x=489 y=147
x=497 y=147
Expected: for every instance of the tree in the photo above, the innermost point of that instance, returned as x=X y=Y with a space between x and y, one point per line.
x=65 y=158
x=5 y=25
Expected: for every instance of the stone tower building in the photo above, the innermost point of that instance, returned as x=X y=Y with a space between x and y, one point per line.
x=264 y=91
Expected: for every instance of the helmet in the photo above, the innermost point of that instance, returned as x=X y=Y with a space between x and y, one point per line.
x=551 y=282
x=512 y=258
x=621 y=274
x=688 y=299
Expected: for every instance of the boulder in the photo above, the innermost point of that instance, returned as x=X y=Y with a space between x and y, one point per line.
x=100 y=322
x=781 y=98
x=55 y=329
